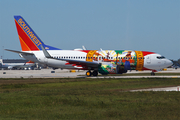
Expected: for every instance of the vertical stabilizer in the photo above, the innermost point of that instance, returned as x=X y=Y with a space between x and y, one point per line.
x=28 y=39
x=1 y=61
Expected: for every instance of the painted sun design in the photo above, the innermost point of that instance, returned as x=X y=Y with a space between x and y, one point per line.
x=124 y=53
x=107 y=53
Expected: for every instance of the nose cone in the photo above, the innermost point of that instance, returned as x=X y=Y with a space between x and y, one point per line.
x=169 y=63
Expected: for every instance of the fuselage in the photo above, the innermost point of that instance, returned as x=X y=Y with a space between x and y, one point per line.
x=109 y=59
x=15 y=65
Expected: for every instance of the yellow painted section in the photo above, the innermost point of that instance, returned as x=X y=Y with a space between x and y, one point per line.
x=140 y=60
x=72 y=70
x=174 y=77
x=90 y=55
x=165 y=69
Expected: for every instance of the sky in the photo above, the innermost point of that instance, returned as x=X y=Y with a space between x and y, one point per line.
x=145 y=25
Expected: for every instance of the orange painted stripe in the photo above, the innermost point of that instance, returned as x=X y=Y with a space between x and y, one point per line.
x=31 y=45
x=24 y=46
x=140 y=60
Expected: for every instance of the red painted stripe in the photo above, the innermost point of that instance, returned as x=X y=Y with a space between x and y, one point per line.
x=26 y=38
x=147 y=53
x=146 y=68
x=30 y=62
x=67 y=63
x=149 y=69
x=86 y=51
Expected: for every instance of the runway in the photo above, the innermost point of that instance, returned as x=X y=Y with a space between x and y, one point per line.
x=58 y=73
x=43 y=73
x=49 y=73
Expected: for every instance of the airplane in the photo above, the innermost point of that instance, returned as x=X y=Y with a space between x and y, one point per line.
x=94 y=61
x=11 y=66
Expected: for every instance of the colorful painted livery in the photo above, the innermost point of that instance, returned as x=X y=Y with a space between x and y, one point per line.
x=94 y=61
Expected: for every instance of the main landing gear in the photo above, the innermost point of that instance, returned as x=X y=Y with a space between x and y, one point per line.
x=94 y=73
x=152 y=73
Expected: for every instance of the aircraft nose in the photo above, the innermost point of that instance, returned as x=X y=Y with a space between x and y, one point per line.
x=169 y=62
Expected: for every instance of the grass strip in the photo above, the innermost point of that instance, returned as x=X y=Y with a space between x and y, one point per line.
x=85 y=98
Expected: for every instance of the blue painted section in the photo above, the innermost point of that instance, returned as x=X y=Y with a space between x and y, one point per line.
x=127 y=65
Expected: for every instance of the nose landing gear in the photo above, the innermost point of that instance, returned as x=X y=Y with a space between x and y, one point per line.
x=152 y=73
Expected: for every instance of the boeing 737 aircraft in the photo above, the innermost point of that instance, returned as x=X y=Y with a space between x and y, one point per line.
x=26 y=65
x=94 y=61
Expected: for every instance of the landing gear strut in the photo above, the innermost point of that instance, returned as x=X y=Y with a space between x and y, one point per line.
x=152 y=73
x=94 y=73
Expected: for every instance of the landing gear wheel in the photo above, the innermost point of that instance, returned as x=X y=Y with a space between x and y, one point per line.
x=95 y=73
x=88 y=73
x=152 y=73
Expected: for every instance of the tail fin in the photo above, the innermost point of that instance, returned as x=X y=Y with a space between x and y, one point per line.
x=1 y=61
x=28 y=38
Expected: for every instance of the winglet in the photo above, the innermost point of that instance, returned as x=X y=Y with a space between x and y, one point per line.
x=47 y=55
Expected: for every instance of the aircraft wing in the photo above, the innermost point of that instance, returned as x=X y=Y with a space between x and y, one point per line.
x=83 y=64
x=80 y=64
x=10 y=67
x=19 y=52
x=75 y=63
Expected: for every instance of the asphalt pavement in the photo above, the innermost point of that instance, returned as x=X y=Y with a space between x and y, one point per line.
x=58 y=73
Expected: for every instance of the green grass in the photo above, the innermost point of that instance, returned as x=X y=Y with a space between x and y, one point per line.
x=88 y=99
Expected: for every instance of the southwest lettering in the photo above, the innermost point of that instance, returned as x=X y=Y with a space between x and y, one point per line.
x=29 y=32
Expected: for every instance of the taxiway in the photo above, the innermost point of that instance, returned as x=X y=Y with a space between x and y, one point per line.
x=49 y=73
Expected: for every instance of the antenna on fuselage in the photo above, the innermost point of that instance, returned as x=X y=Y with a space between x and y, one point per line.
x=83 y=47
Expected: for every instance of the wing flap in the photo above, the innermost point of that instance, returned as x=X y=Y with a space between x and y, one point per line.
x=84 y=64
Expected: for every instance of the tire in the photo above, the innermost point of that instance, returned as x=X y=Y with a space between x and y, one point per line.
x=95 y=73
x=88 y=73
x=152 y=73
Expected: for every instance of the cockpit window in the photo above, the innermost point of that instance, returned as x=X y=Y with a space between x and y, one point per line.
x=160 y=57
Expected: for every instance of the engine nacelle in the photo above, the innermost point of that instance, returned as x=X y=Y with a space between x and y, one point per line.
x=110 y=68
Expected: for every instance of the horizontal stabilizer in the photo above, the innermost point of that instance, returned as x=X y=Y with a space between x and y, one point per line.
x=19 y=52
